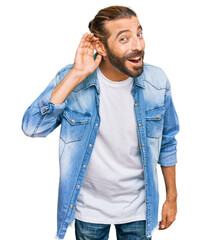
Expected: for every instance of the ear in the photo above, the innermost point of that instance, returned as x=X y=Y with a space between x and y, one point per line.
x=100 y=48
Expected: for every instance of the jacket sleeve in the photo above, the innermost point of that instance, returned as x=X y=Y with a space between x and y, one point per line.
x=42 y=116
x=168 y=150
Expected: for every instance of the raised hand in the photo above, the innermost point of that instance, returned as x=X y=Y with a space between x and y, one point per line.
x=84 y=62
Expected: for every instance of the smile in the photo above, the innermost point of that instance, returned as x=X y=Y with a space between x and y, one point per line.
x=135 y=61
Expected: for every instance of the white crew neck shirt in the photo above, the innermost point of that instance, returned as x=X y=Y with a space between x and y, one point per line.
x=113 y=188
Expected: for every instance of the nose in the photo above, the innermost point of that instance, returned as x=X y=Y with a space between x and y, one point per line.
x=137 y=44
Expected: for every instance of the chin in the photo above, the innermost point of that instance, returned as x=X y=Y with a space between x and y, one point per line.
x=134 y=71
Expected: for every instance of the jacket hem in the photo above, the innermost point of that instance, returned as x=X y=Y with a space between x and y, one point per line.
x=57 y=238
x=153 y=231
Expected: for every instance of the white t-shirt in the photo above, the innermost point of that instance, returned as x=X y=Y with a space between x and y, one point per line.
x=113 y=188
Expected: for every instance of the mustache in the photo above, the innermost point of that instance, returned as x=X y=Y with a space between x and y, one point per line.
x=135 y=53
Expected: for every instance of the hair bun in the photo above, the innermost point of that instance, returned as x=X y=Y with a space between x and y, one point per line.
x=90 y=25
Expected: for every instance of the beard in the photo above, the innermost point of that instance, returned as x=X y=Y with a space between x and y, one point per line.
x=119 y=63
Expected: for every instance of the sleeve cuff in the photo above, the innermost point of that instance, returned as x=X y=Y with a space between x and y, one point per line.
x=167 y=160
x=46 y=107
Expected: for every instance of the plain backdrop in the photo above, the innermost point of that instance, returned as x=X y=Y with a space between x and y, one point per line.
x=38 y=38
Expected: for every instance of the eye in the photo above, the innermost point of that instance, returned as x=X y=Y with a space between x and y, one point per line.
x=139 y=35
x=123 y=39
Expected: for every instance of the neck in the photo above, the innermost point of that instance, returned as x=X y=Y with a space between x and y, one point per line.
x=110 y=72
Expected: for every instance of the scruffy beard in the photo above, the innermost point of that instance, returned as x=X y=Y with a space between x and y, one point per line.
x=119 y=63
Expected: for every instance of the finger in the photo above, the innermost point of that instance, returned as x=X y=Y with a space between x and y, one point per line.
x=91 y=41
x=87 y=42
x=95 y=38
x=81 y=44
x=89 y=37
x=98 y=59
x=163 y=222
x=85 y=38
x=94 y=41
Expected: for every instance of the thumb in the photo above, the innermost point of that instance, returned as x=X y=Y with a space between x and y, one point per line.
x=98 y=59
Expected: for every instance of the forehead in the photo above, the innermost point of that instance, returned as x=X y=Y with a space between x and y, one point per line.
x=114 y=26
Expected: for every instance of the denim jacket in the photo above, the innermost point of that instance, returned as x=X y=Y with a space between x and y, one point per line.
x=157 y=125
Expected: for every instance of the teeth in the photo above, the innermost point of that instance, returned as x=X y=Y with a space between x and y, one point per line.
x=136 y=58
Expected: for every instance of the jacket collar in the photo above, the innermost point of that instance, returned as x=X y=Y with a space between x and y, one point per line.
x=92 y=79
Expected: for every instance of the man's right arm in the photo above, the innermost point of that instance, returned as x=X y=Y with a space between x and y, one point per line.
x=44 y=114
x=63 y=89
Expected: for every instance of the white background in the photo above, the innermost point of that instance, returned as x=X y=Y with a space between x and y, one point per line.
x=38 y=38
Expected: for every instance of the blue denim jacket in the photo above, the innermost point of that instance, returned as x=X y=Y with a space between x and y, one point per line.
x=157 y=124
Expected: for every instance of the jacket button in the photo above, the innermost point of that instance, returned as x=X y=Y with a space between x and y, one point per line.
x=136 y=104
x=158 y=116
x=143 y=144
x=78 y=186
x=147 y=201
x=84 y=166
x=71 y=206
x=73 y=120
x=145 y=165
x=90 y=145
x=140 y=125
x=96 y=125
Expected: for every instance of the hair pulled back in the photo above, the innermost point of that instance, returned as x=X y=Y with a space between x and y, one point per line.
x=97 y=25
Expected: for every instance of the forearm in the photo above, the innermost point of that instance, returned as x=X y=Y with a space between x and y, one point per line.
x=34 y=123
x=169 y=174
x=63 y=89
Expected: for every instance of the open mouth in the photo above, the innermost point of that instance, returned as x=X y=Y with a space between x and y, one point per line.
x=135 y=60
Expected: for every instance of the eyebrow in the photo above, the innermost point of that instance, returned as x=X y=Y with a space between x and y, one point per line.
x=127 y=30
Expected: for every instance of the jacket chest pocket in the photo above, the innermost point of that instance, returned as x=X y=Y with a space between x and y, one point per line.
x=154 y=122
x=73 y=125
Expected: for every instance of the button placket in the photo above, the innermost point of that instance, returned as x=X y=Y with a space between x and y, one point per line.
x=140 y=125
x=142 y=140
x=90 y=145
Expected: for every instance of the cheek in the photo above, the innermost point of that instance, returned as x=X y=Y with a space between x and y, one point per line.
x=121 y=50
x=118 y=49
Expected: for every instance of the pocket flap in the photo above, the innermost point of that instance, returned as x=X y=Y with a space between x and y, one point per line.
x=156 y=113
x=75 y=118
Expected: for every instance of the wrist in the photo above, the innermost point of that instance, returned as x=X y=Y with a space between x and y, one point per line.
x=171 y=196
x=79 y=74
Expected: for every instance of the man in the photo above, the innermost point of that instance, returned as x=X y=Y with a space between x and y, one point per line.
x=117 y=122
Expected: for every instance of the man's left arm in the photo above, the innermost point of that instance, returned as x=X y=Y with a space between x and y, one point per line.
x=168 y=160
